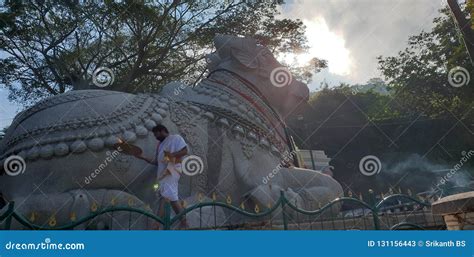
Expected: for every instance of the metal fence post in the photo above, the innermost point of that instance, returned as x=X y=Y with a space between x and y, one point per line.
x=375 y=216
x=9 y=213
x=167 y=218
x=283 y=203
x=375 y=211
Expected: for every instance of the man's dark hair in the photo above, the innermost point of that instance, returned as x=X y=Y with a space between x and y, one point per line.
x=159 y=128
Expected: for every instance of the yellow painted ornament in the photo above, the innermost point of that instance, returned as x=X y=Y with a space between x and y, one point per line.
x=33 y=216
x=257 y=209
x=131 y=202
x=52 y=221
x=73 y=216
x=94 y=207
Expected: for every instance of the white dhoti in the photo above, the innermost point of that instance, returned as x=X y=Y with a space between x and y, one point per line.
x=169 y=184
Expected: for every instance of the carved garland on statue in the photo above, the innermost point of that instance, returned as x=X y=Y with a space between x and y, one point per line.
x=242 y=114
x=230 y=81
x=249 y=134
x=110 y=120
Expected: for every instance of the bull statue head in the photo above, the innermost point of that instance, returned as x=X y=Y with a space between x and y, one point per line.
x=256 y=64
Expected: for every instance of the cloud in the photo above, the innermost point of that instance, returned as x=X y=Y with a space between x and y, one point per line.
x=368 y=29
x=332 y=48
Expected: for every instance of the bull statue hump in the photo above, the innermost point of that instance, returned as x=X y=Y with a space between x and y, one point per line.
x=232 y=120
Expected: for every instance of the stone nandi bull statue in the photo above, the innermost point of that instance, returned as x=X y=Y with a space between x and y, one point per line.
x=232 y=120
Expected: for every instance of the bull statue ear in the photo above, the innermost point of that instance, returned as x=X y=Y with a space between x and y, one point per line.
x=244 y=51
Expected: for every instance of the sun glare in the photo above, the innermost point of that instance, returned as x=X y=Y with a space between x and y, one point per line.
x=323 y=44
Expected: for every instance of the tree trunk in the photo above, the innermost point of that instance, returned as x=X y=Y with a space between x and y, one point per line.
x=464 y=25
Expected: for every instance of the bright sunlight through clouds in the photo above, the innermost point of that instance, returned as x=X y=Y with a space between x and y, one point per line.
x=324 y=44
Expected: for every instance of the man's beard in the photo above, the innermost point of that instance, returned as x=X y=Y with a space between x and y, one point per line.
x=161 y=138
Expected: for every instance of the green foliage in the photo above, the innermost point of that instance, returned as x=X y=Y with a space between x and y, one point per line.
x=55 y=46
x=419 y=74
x=355 y=104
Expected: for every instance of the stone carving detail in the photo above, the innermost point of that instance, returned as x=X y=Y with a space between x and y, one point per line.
x=139 y=110
x=248 y=147
x=185 y=120
x=55 y=100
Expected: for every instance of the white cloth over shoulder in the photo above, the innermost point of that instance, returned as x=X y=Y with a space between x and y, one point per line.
x=169 y=184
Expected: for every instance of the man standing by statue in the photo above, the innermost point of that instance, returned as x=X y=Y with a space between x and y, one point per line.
x=170 y=150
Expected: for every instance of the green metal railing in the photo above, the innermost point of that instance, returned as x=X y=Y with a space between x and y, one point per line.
x=284 y=214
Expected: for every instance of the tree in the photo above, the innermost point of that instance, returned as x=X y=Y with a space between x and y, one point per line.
x=343 y=107
x=422 y=74
x=464 y=24
x=354 y=105
x=55 y=46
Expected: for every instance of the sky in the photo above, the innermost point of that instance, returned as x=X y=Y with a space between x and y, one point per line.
x=349 y=34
